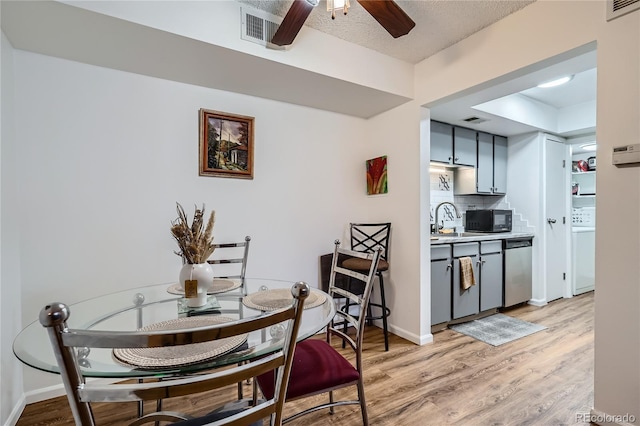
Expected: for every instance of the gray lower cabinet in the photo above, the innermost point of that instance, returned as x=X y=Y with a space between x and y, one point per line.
x=490 y=275
x=465 y=302
x=441 y=274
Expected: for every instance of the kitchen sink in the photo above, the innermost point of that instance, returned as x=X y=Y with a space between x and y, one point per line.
x=460 y=234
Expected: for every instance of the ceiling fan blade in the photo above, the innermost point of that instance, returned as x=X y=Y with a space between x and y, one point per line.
x=292 y=22
x=389 y=15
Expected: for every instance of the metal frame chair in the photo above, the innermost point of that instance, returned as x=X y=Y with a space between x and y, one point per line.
x=367 y=237
x=66 y=342
x=317 y=366
x=228 y=260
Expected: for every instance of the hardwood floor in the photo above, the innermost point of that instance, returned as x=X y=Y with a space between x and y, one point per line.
x=542 y=379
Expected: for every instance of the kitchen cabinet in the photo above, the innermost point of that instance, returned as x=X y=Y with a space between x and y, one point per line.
x=490 y=275
x=465 y=302
x=464 y=146
x=489 y=177
x=453 y=145
x=441 y=274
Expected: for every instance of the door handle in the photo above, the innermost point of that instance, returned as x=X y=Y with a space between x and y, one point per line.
x=551 y=221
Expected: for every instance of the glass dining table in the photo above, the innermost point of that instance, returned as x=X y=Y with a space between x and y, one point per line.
x=130 y=310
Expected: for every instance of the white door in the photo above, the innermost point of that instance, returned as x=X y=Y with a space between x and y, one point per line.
x=556 y=193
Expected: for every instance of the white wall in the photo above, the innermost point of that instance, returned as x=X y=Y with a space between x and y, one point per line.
x=508 y=48
x=10 y=370
x=396 y=134
x=104 y=155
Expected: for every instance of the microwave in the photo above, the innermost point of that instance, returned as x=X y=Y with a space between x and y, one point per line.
x=488 y=220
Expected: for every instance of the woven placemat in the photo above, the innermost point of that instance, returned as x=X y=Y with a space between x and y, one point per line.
x=218 y=286
x=271 y=300
x=173 y=356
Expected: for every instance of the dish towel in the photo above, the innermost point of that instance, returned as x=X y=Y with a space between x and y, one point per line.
x=467 y=279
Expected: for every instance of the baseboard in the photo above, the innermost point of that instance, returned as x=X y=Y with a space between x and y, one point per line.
x=413 y=338
x=55 y=391
x=16 y=412
x=604 y=419
x=537 y=302
x=43 y=394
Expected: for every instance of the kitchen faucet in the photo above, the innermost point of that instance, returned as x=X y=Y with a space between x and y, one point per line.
x=438 y=208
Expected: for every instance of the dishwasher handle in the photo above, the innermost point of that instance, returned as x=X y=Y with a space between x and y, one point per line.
x=517 y=243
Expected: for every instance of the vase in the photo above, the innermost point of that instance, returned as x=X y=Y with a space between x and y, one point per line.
x=203 y=272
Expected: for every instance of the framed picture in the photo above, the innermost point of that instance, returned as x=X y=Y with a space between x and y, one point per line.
x=377 y=176
x=226 y=145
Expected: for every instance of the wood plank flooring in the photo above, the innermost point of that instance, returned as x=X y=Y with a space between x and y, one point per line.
x=542 y=379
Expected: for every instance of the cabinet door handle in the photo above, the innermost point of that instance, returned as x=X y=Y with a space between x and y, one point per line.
x=456 y=159
x=551 y=221
x=449 y=266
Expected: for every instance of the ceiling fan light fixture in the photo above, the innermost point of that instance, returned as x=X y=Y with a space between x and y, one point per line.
x=589 y=146
x=556 y=82
x=333 y=5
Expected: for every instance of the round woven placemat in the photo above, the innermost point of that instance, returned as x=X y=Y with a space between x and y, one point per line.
x=173 y=356
x=271 y=300
x=219 y=286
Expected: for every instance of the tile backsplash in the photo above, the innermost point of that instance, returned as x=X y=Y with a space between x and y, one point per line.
x=441 y=184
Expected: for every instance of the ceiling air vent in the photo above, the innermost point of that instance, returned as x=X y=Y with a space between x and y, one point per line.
x=476 y=120
x=259 y=27
x=617 y=8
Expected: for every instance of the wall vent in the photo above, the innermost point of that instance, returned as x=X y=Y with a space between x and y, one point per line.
x=259 y=27
x=617 y=8
x=476 y=120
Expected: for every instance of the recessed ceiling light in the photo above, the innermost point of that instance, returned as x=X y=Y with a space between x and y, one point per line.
x=557 y=82
x=589 y=146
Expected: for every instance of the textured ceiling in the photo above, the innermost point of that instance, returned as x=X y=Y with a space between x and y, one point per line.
x=439 y=23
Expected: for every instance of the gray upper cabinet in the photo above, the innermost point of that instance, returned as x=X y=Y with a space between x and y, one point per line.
x=485 y=164
x=489 y=177
x=453 y=145
x=464 y=146
x=441 y=142
x=499 y=165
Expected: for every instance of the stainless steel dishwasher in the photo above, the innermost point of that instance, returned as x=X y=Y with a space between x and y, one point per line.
x=517 y=270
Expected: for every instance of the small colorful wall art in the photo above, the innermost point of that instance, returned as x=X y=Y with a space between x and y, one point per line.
x=377 y=176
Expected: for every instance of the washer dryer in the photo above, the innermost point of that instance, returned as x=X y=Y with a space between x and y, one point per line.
x=583 y=240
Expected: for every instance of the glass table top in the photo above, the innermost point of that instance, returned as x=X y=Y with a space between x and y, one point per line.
x=129 y=310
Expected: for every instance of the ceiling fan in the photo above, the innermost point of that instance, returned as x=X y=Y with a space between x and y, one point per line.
x=386 y=12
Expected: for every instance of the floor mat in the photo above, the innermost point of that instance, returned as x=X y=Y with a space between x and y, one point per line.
x=497 y=329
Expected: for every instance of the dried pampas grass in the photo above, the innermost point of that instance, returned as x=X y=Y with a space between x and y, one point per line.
x=195 y=241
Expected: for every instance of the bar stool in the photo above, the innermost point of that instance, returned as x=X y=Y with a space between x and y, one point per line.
x=366 y=237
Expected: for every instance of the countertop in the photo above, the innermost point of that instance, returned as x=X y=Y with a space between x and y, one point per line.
x=484 y=237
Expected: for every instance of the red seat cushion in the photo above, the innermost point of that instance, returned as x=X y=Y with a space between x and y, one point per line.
x=317 y=367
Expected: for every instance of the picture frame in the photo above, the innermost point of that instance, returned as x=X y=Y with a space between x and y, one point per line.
x=226 y=144
x=377 y=183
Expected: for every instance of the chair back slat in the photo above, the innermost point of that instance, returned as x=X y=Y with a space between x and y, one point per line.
x=152 y=339
x=366 y=237
x=80 y=393
x=228 y=254
x=361 y=301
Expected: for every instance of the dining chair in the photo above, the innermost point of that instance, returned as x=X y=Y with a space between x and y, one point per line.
x=367 y=237
x=231 y=256
x=67 y=343
x=318 y=367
